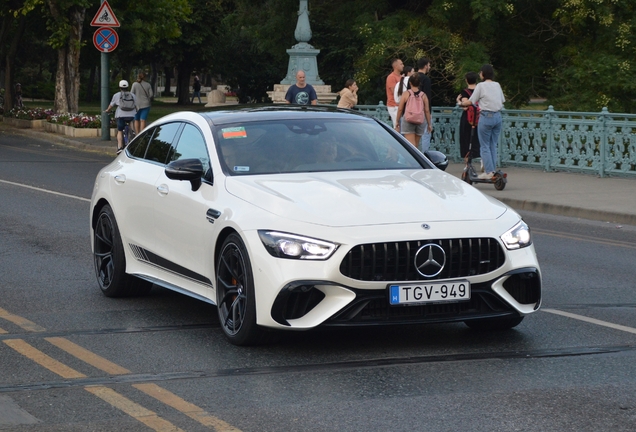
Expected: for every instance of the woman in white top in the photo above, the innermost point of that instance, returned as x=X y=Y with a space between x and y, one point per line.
x=490 y=98
x=402 y=87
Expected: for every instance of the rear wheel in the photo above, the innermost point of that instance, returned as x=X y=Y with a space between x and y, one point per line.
x=466 y=177
x=504 y=323
x=110 y=260
x=500 y=183
x=236 y=301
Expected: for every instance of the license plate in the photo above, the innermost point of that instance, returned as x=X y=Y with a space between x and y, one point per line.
x=434 y=292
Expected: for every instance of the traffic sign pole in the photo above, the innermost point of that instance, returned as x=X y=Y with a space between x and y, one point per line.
x=105 y=17
x=105 y=100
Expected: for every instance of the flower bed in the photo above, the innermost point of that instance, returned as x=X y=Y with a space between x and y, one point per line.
x=77 y=125
x=24 y=118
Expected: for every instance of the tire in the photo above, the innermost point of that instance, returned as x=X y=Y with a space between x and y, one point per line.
x=494 y=324
x=500 y=183
x=110 y=260
x=236 y=302
x=466 y=177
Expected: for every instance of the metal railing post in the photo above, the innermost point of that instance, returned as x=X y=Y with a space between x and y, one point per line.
x=604 y=114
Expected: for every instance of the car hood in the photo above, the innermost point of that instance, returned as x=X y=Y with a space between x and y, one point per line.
x=342 y=199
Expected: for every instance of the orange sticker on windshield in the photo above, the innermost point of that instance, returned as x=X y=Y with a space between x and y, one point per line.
x=237 y=132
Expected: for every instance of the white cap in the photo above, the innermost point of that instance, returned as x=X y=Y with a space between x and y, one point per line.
x=123 y=84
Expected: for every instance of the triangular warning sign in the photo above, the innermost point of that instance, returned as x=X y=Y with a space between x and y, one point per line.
x=105 y=17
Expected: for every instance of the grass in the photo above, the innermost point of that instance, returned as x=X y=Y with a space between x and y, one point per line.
x=159 y=108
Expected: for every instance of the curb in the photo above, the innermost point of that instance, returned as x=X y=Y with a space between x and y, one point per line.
x=109 y=149
x=568 y=211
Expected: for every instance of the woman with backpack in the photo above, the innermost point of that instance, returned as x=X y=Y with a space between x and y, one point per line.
x=466 y=125
x=490 y=98
x=414 y=108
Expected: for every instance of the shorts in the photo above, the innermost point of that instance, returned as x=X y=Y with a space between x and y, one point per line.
x=142 y=114
x=410 y=128
x=121 y=122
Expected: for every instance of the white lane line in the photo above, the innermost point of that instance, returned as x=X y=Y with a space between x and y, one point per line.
x=591 y=320
x=45 y=190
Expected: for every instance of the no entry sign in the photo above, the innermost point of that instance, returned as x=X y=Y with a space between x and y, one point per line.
x=105 y=39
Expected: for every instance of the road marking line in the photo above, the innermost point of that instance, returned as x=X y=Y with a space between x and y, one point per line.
x=87 y=356
x=187 y=408
x=45 y=190
x=21 y=322
x=136 y=411
x=42 y=359
x=591 y=320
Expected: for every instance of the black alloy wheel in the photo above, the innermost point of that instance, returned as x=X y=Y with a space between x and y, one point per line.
x=110 y=260
x=235 y=294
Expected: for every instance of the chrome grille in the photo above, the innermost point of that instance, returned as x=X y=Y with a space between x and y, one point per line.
x=394 y=261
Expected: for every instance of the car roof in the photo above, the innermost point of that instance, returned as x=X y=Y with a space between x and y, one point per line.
x=243 y=113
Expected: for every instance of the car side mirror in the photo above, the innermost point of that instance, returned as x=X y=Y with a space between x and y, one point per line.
x=439 y=159
x=186 y=170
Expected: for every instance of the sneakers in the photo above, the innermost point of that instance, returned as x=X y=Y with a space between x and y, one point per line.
x=119 y=150
x=486 y=176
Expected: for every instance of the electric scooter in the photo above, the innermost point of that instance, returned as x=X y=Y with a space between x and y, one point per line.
x=470 y=176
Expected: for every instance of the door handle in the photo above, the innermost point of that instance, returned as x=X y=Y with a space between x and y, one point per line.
x=163 y=189
x=120 y=178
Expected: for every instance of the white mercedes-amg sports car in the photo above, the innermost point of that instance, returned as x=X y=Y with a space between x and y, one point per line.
x=290 y=217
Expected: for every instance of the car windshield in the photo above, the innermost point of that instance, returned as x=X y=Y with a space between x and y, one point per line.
x=309 y=145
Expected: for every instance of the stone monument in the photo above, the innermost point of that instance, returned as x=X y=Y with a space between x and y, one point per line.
x=302 y=56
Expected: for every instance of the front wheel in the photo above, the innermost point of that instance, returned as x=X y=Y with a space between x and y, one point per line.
x=236 y=302
x=110 y=260
x=490 y=324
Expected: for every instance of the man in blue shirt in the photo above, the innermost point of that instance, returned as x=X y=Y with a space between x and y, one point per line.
x=301 y=93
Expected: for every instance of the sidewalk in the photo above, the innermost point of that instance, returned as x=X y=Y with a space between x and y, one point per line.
x=610 y=199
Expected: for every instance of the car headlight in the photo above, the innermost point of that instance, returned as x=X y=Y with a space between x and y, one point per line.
x=517 y=237
x=284 y=245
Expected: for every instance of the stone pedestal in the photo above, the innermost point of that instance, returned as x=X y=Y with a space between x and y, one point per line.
x=218 y=98
x=323 y=92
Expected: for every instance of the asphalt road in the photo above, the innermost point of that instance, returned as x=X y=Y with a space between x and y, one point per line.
x=74 y=360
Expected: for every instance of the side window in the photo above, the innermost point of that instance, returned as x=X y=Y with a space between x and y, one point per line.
x=161 y=142
x=137 y=148
x=192 y=145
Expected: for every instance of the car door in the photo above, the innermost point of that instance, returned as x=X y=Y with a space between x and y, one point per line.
x=137 y=177
x=184 y=228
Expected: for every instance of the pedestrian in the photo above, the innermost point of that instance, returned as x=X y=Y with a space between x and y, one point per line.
x=490 y=98
x=391 y=81
x=423 y=67
x=18 y=96
x=196 y=89
x=466 y=132
x=417 y=117
x=301 y=93
x=348 y=95
x=144 y=94
x=125 y=113
x=402 y=87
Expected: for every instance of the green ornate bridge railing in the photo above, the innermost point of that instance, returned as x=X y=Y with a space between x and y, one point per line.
x=597 y=143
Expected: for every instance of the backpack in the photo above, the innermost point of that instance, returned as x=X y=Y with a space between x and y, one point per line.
x=472 y=111
x=414 y=110
x=126 y=101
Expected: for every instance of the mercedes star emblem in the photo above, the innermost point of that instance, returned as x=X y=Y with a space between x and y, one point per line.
x=430 y=260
